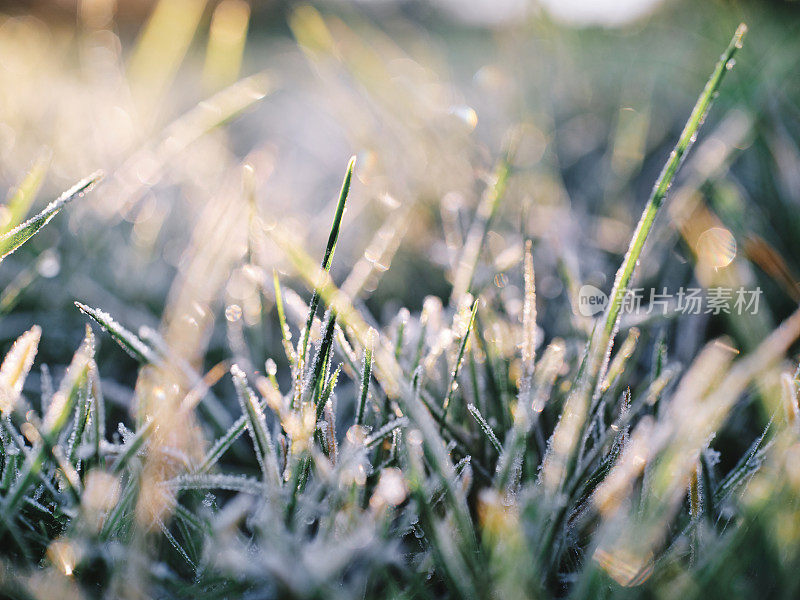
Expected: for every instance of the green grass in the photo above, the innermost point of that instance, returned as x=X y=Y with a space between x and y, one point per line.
x=417 y=458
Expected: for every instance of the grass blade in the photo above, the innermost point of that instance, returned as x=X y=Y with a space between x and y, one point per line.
x=333 y=237
x=286 y=334
x=451 y=388
x=135 y=347
x=665 y=179
x=570 y=429
x=16 y=366
x=22 y=233
x=133 y=446
x=485 y=427
x=362 y=400
x=257 y=426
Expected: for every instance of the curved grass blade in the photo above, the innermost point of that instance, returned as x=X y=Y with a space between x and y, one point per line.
x=22 y=233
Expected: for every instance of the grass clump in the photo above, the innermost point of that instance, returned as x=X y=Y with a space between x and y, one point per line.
x=422 y=459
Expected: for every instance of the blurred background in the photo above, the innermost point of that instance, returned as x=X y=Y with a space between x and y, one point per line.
x=215 y=118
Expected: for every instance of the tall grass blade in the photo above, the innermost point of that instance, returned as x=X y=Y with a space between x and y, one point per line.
x=452 y=386
x=665 y=179
x=330 y=247
x=569 y=430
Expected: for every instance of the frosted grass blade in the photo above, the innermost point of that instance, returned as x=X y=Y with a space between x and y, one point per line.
x=330 y=247
x=665 y=179
x=16 y=366
x=22 y=233
x=485 y=427
x=257 y=426
x=451 y=388
x=129 y=342
x=570 y=429
x=366 y=371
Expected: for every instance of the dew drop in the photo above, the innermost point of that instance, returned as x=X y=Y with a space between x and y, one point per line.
x=233 y=313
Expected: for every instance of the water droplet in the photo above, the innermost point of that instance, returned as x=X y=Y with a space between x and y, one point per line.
x=730 y=64
x=233 y=313
x=356 y=434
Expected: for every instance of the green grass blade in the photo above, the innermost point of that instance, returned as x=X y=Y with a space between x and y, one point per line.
x=22 y=233
x=222 y=444
x=333 y=237
x=257 y=426
x=129 y=342
x=365 y=377
x=451 y=388
x=665 y=180
x=314 y=386
x=570 y=430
